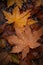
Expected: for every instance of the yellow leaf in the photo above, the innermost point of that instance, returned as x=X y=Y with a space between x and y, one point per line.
x=9 y=17
x=19 y=19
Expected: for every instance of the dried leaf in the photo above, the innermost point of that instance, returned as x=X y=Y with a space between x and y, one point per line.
x=20 y=20
x=16 y=14
x=24 y=40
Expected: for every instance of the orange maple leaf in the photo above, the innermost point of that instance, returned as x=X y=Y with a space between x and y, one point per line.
x=24 y=40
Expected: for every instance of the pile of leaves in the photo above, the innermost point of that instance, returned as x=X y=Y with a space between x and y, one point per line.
x=21 y=32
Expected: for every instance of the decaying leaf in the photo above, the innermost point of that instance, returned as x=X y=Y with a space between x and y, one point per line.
x=24 y=40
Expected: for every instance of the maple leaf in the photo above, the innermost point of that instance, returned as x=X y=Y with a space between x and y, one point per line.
x=24 y=40
x=16 y=15
x=19 y=19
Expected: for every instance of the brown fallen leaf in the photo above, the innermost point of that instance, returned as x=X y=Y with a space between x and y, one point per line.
x=24 y=40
